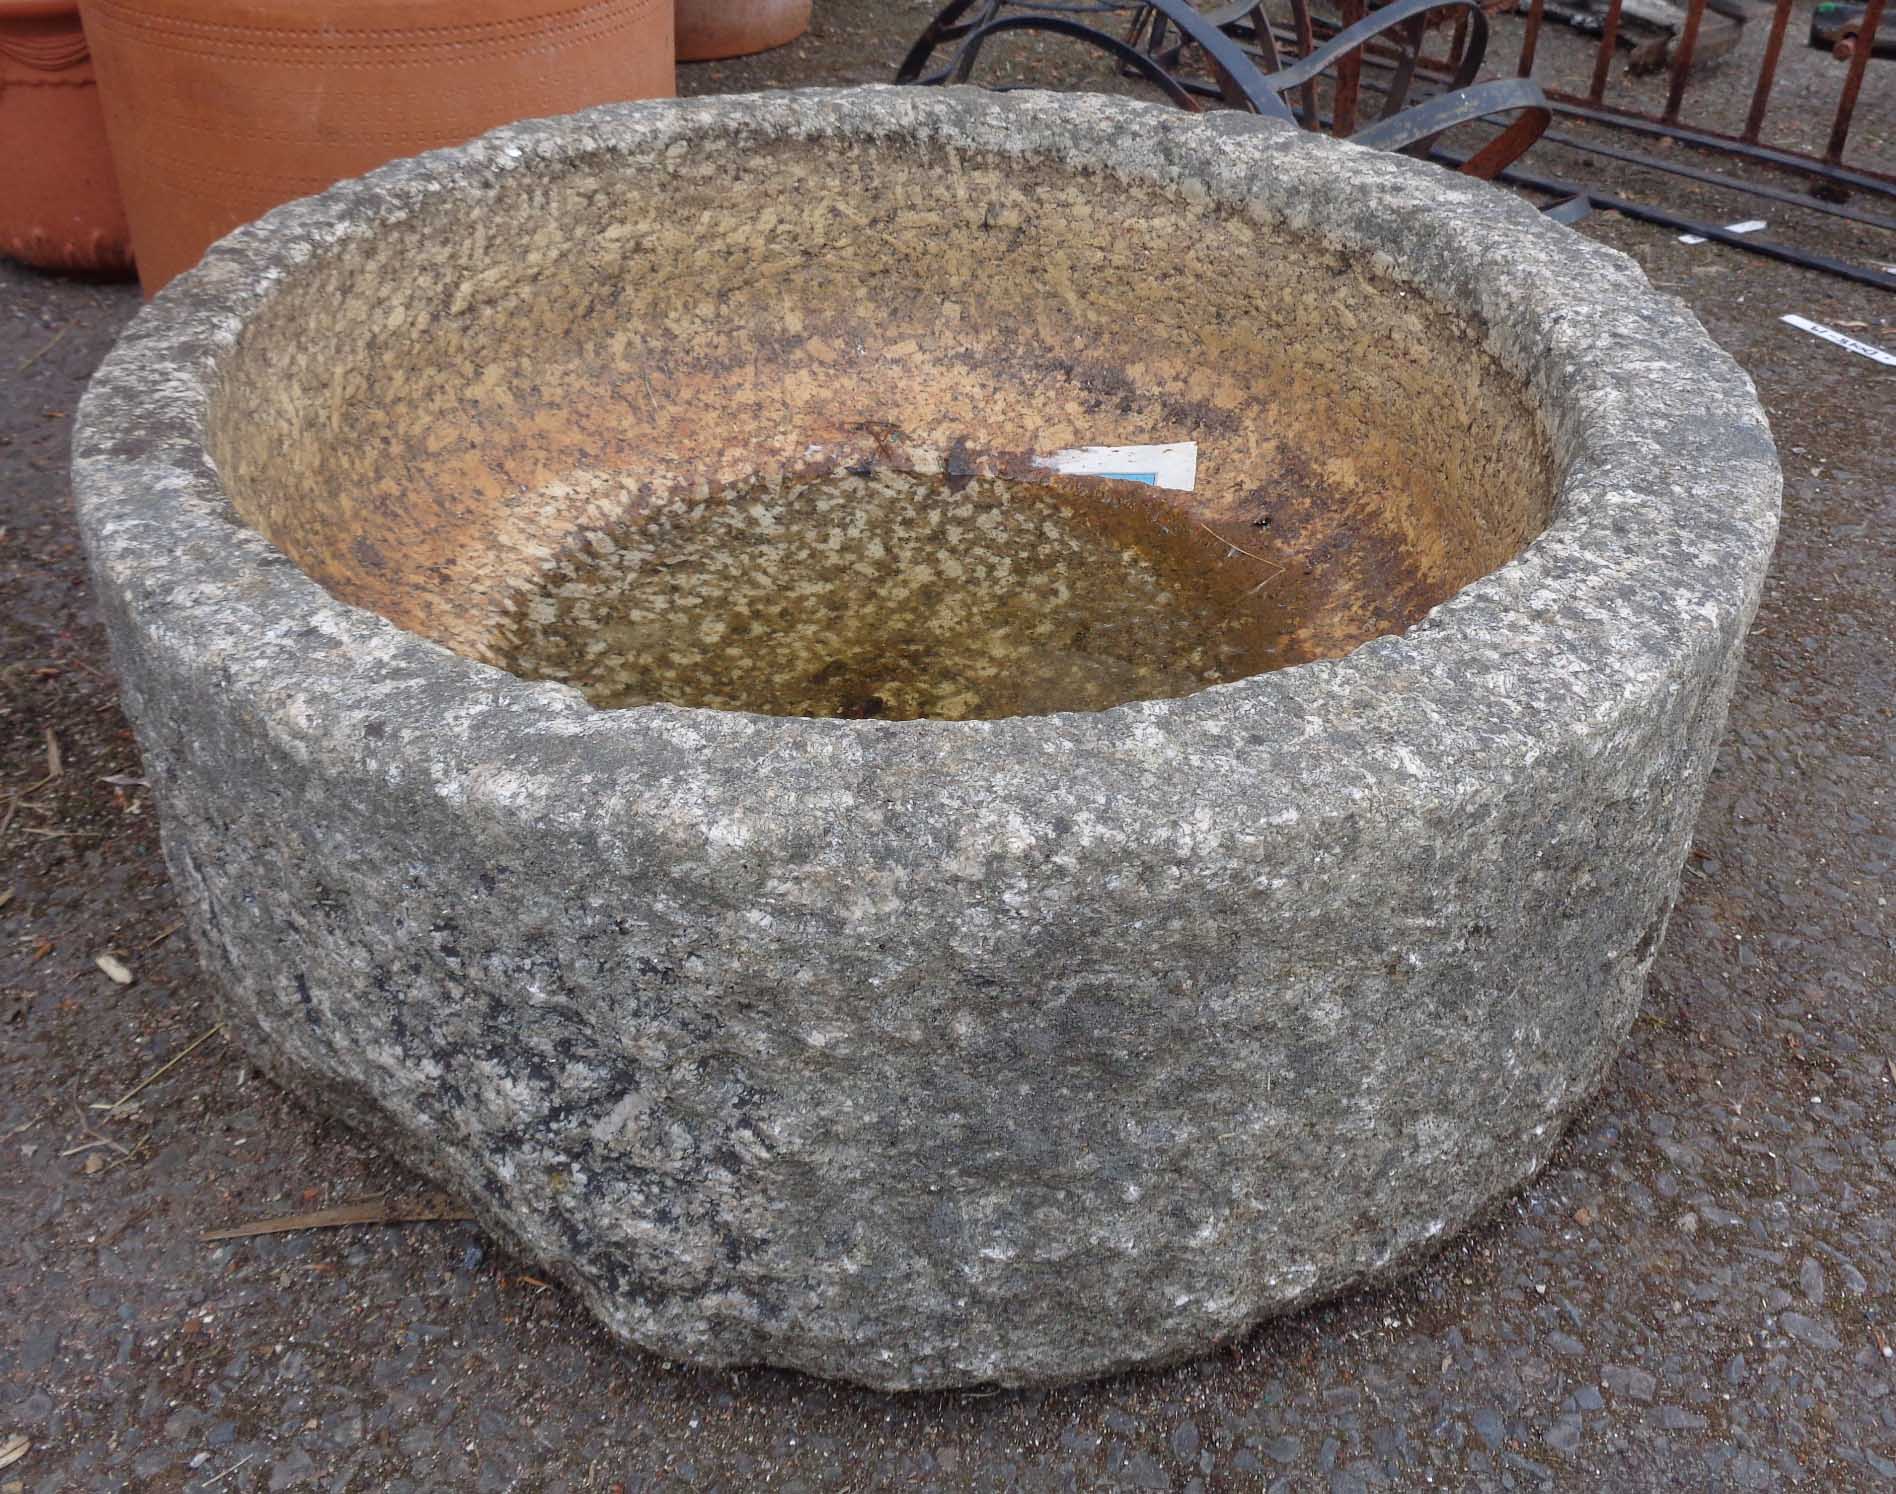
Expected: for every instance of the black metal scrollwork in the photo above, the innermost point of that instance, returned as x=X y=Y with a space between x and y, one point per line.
x=1252 y=68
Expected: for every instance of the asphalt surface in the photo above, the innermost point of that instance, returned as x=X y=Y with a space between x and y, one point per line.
x=1698 y=1294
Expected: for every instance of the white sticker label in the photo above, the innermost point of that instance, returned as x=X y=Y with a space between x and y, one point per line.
x=1172 y=465
x=1831 y=334
x=1750 y=225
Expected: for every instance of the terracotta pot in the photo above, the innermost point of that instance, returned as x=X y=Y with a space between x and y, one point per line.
x=59 y=202
x=711 y=29
x=218 y=110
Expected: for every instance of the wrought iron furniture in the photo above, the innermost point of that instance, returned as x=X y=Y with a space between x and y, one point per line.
x=1248 y=65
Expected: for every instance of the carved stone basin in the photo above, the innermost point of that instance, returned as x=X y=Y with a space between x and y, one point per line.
x=640 y=730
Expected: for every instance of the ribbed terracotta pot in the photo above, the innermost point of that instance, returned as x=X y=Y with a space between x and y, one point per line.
x=218 y=110
x=59 y=201
x=713 y=29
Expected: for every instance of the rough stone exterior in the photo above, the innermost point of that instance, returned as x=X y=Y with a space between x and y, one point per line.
x=927 y=1054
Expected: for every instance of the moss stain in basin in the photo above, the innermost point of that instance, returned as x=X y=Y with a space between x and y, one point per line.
x=903 y=596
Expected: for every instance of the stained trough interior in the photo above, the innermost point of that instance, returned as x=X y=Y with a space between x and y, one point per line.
x=757 y=426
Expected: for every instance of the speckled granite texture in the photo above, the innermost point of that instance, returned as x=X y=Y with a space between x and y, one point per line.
x=935 y=1053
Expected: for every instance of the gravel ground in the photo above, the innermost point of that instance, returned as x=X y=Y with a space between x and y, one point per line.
x=1698 y=1293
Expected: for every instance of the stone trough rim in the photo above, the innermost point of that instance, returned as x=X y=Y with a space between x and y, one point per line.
x=1691 y=472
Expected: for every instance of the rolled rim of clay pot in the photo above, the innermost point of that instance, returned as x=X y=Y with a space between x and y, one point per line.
x=37 y=10
x=1663 y=525
x=720 y=36
x=340 y=18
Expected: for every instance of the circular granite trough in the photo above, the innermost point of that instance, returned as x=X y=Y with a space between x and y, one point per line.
x=1018 y=1047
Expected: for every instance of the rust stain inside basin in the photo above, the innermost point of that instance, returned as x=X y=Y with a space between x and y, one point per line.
x=759 y=432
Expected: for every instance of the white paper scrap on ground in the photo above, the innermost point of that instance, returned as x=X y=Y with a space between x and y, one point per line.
x=1750 y=225
x=1831 y=334
x=1172 y=465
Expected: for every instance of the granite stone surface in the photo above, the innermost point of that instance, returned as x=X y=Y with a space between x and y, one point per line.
x=933 y=1053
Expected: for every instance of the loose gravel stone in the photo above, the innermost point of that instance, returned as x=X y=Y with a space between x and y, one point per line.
x=1489 y=1425
x=1628 y=1380
x=1809 y=1331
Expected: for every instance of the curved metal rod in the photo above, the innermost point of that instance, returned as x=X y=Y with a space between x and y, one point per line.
x=1306 y=44
x=1240 y=83
x=1397 y=95
x=1415 y=131
x=1239 y=80
x=1249 y=22
x=1411 y=130
x=942 y=28
x=1130 y=55
x=1148 y=31
x=1237 y=20
x=1351 y=38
